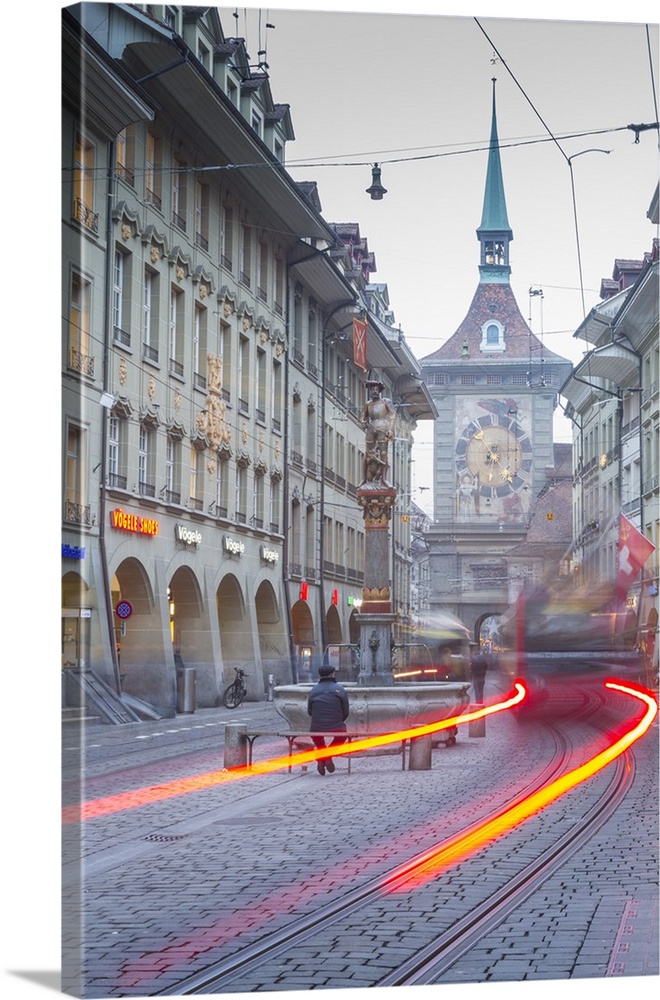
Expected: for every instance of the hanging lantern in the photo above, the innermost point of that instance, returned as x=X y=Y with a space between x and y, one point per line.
x=376 y=190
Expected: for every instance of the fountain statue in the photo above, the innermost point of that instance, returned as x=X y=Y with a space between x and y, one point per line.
x=377 y=702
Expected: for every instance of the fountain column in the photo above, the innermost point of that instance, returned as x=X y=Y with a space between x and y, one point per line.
x=376 y=497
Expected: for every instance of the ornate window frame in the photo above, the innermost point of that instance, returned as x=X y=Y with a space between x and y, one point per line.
x=491 y=346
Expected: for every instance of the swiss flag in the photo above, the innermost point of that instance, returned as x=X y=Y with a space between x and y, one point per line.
x=634 y=550
x=360 y=343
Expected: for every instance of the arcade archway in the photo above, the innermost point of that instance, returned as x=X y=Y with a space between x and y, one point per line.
x=235 y=630
x=273 y=644
x=75 y=622
x=302 y=627
x=333 y=623
x=140 y=637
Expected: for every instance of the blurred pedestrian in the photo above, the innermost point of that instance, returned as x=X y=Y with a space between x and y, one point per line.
x=478 y=667
x=327 y=705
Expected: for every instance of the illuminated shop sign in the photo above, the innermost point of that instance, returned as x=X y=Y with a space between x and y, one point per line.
x=232 y=546
x=269 y=555
x=134 y=523
x=73 y=551
x=189 y=537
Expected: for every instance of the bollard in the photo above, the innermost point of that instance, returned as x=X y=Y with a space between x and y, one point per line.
x=419 y=758
x=271 y=687
x=236 y=745
x=477 y=727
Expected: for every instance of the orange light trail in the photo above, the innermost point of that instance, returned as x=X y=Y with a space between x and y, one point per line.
x=467 y=842
x=184 y=949
x=183 y=786
x=417 y=673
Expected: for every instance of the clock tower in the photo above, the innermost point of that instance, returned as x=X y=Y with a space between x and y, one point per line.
x=495 y=387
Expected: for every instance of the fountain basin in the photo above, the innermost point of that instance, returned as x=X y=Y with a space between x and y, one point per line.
x=380 y=709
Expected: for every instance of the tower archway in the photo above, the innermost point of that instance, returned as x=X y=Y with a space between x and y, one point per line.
x=486 y=629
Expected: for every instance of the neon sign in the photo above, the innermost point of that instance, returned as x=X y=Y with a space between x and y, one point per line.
x=73 y=551
x=134 y=523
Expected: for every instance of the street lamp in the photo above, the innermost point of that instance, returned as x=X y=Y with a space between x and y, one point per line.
x=376 y=191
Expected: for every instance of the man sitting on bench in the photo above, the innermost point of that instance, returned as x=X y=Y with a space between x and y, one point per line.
x=327 y=704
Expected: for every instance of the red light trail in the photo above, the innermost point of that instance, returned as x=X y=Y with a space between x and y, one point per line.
x=138 y=797
x=467 y=842
x=154 y=964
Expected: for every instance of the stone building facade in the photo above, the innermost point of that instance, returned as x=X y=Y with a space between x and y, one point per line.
x=212 y=442
x=612 y=399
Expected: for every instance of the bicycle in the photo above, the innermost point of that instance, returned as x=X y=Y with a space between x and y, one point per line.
x=235 y=693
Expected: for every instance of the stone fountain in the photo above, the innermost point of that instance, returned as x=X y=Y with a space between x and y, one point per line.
x=384 y=709
x=378 y=704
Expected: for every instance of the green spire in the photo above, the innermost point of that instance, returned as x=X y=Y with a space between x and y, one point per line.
x=494 y=217
x=494 y=233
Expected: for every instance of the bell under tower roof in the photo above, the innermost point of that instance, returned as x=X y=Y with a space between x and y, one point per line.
x=494 y=233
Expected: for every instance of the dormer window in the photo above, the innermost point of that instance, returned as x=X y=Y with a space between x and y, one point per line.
x=492 y=337
x=204 y=55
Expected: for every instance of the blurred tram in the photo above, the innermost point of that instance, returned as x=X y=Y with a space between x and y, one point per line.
x=438 y=650
x=562 y=641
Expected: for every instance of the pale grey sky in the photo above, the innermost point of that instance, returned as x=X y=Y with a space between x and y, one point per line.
x=413 y=92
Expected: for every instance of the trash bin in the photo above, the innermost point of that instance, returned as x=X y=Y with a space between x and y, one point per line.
x=186 y=680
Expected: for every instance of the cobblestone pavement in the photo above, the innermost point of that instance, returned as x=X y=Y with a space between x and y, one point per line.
x=175 y=885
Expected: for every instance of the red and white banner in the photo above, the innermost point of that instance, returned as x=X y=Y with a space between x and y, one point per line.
x=634 y=550
x=360 y=343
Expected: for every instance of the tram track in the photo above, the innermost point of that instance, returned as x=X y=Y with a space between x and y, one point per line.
x=439 y=955
x=223 y=975
x=403 y=901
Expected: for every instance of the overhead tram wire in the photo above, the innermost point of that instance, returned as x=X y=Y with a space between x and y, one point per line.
x=567 y=158
x=654 y=91
x=312 y=165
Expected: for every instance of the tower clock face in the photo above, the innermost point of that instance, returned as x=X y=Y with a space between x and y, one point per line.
x=497 y=455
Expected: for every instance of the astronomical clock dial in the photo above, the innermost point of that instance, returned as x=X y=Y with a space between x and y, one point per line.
x=497 y=453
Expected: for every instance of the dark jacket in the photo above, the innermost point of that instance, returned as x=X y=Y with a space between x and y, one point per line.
x=327 y=704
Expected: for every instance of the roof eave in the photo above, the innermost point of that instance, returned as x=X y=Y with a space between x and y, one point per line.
x=196 y=97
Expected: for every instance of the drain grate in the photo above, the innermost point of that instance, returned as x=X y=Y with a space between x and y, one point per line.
x=166 y=836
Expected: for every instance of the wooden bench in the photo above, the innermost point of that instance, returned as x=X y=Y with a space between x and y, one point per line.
x=292 y=737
